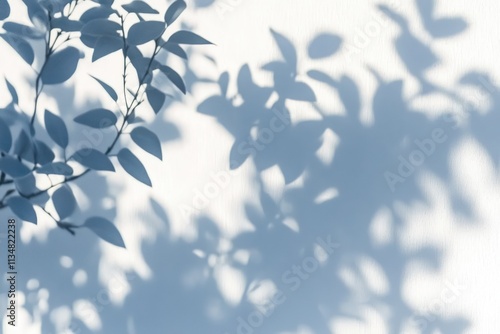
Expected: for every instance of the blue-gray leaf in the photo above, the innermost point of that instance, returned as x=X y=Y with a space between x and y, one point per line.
x=64 y=202
x=66 y=24
x=187 y=37
x=147 y=140
x=111 y=92
x=44 y=153
x=174 y=77
x=97 y=118
x=12 y=91
x=13 y=167
x=22 y=208
x=106 y=45
x=56 y=168
x=105 y=230
x=5 y=137
x=93 y=159
x=173 y=12
x=61 y=66
x=139 y=7
x=176 y=50
x=22 y=30
x=56 y=129
x=146 y=31
x=100 y=27
x=155 y=98
x=133 y=166
x=22 y=47
x=24 y=147
x=4 y=9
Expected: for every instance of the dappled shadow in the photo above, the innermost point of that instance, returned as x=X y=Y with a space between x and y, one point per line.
x=338 y=182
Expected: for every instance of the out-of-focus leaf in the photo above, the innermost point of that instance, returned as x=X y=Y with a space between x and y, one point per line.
x=133 y=166
x=143 y=32
x=56 y=168
x=187 y=37
x=44 y=154
x=66 y=24
x=64 y=202
x=94 y=13
x=174 y=77
x=5 y=137
x=174 y=11
x=324 y=45
x=22 y=30
x=176 y=50
x=4 y=9
x=99 y=118
x=139 y=7
x=101 y=27
x=61 y=66
x=155 y=98
x=105 y=229
x=22 y=47
x=56 y=129
x=147 y=140
x=223 y=83
x=286 y=48
x=22 y=208
x=24 y=147
x=13 y=167
x=106 y=45
x=12 y=91
x=111 y=92
x=93 y=159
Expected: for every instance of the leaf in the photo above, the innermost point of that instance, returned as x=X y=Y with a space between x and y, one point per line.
x=99 y=118
x=22 y=47
x=94 y=13
x=104 y=229
x=187 y=37
x=60 y=66
x=64 y=202
x=174 y=77
x=24 y=147
x=176 y=50
x=66 y=24
x=4 y=9
x=56 y=129
x=22 y=208
x=139 y=62
x=133 y=166
x=223 y=83
x=44 y=153
x=139 y=7
x=174 y=11
x=106 y=45
x=12 y=91
x=143 y=32
x=5 y=137
x=93 y=159
x=286 y=48
x=155 y=98
x=101 y=27
x=324 y=45
x=111 y=92
x=56 y=168
x=13 y=167
x=147 y=140
x=22 y=30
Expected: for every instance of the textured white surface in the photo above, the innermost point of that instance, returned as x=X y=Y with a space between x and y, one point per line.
x=398 y=252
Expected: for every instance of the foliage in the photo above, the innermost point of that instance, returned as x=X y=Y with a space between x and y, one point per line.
x=105 y=27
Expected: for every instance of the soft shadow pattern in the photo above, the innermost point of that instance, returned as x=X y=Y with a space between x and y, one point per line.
x=332 y=198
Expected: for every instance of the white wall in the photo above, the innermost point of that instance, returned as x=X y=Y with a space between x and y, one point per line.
x=398 y=252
